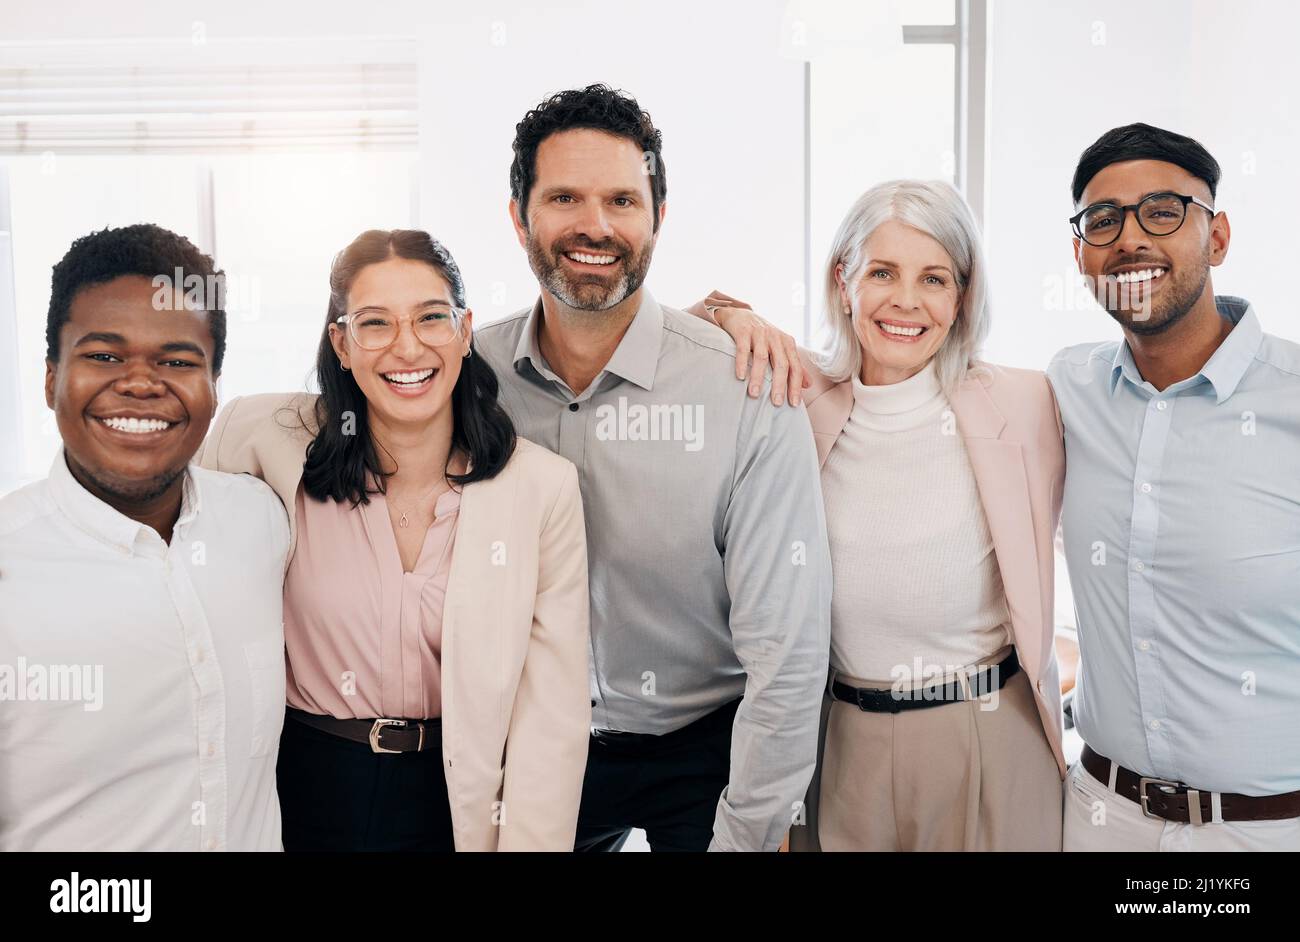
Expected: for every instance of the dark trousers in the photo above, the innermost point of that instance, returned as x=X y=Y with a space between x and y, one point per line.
x=336 y=794
x=669 y=785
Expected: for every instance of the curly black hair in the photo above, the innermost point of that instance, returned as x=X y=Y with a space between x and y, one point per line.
x=599 y=108
x=143 y=249
x=1144 y=142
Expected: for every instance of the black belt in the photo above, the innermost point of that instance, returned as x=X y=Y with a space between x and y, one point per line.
x=889 y=700
x=718 y=719
x=382 y=735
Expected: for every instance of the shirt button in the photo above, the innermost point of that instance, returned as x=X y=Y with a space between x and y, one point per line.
x=212 y=843
x=1138 y=566
x=1162 y=405
x=212 y=749
x=1145 y=645
x=573 y=407
x=1155 y=724
x=198 y=656
x=1146 y=488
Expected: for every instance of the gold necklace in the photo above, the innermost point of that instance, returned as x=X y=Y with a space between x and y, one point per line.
x=403 y=522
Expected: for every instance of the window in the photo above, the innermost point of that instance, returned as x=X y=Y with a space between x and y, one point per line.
x=271 y=168
x=889 y=95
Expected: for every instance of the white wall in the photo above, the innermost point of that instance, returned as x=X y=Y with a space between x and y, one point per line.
x=1063 y=73
x=730 y=109
x=732 y=112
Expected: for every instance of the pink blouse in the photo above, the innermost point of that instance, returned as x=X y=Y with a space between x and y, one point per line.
x=363 y=638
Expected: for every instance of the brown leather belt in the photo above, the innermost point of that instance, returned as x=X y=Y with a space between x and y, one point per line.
x=1174 y=801
x=381 y=735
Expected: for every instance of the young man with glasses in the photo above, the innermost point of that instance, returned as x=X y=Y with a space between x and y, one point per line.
x=1181 y=522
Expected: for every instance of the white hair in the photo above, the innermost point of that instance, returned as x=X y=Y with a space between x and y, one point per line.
x=938 y=210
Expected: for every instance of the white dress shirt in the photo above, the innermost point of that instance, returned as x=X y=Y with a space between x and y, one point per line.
x=141 y=683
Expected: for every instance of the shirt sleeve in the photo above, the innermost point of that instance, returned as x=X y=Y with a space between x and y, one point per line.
x=778 y=573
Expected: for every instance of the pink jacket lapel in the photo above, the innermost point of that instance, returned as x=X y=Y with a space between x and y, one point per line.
x=1003 y=485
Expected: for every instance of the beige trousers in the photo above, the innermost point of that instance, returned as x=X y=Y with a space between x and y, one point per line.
x=973 y=775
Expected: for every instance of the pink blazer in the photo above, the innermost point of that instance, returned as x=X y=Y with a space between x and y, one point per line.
x=1012 y=429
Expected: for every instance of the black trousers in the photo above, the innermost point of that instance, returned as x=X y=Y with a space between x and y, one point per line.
x=338 y=795
x=668 y=785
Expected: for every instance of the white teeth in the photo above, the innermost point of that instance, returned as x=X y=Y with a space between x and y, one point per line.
x=1132 y=277
x=136 y=426
x=901 y=331
x=410 y=378
x=593 y=259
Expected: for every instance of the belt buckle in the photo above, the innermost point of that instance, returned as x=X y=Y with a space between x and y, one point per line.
x=378 y=728
x=874 y=696
x=1143 y=782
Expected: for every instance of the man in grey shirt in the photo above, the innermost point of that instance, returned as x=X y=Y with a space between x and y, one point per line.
x=710 y=574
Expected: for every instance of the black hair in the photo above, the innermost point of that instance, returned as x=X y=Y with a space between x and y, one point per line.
x=1144 y=142
x=143 y=249
x=596 y=107
x=339 y=457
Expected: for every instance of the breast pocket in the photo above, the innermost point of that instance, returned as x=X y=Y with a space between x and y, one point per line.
x=266 y=678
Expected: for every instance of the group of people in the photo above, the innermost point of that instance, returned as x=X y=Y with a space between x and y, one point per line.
x=533 y=584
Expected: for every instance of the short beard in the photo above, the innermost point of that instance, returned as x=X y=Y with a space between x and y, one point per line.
x=119 y=493
x=1180 y=298
x=588 y=296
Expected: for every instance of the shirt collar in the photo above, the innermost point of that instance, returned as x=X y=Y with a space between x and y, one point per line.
x=1225 y=367
x=635 y=359
x=97 y=518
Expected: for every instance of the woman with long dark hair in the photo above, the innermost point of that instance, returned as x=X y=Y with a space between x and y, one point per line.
x=435 y=600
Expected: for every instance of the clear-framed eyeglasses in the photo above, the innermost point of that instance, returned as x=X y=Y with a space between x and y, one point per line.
x=435 y=326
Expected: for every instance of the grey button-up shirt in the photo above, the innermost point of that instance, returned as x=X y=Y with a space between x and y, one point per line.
x=706 y=534
x=1181 y=522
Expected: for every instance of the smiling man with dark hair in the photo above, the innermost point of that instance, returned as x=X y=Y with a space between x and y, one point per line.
x=710 y=573
x=164 y=580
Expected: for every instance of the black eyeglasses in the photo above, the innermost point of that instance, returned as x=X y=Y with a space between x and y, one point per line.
x=1160 y=214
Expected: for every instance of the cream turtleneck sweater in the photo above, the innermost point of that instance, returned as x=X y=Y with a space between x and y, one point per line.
x=915 y=571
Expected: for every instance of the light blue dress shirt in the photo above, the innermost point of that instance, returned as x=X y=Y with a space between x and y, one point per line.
x=1181 y=522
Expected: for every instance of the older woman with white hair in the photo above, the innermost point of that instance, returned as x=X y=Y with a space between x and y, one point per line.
x=942 y=475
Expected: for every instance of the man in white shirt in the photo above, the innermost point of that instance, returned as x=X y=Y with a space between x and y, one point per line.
x=141 y=642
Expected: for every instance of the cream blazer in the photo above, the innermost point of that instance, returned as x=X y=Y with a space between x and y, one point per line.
x=516 y=709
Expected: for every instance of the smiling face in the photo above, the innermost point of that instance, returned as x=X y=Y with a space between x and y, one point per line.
x=406 y=382
x=904 y=302
x=133 y=390
x=1148 y=283
x=591 y=222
